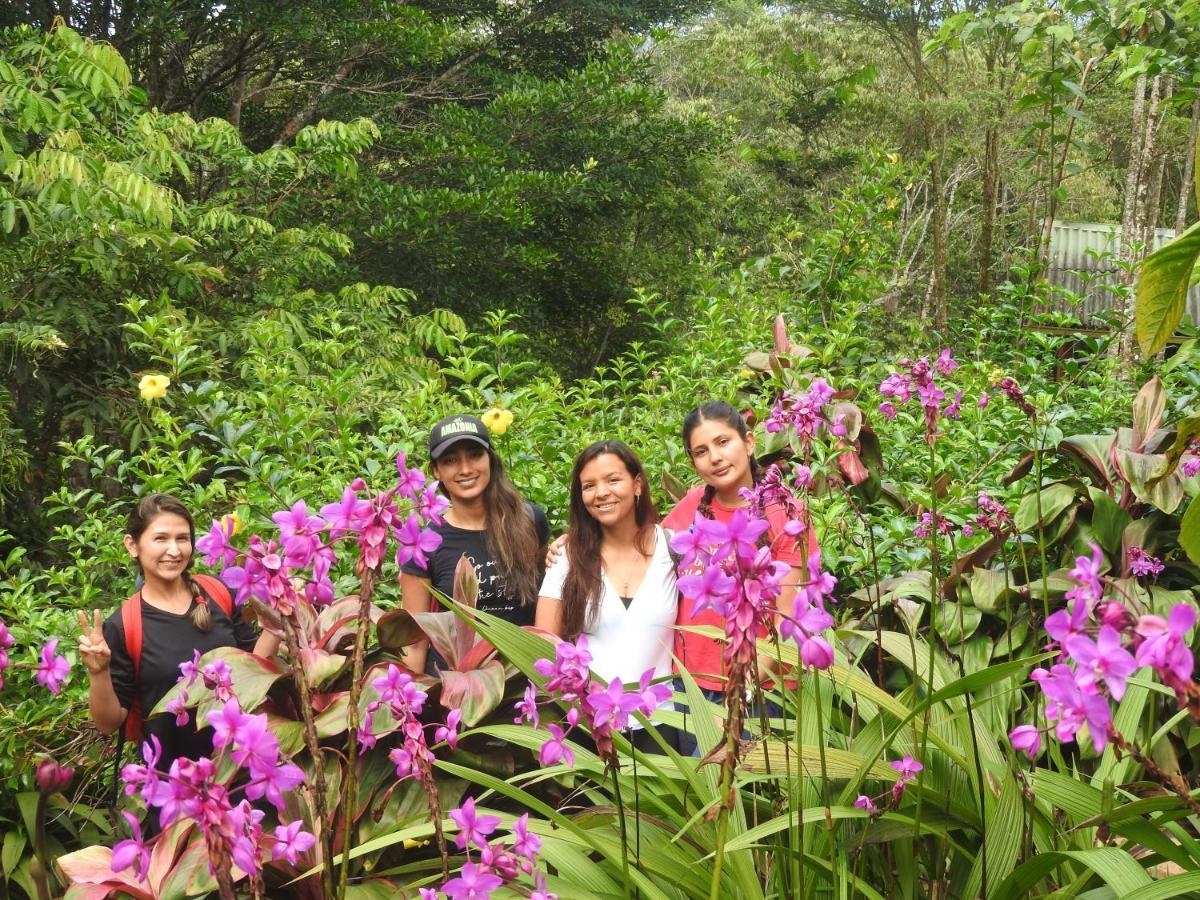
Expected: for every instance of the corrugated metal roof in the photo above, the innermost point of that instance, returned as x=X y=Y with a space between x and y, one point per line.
x=1083 y=253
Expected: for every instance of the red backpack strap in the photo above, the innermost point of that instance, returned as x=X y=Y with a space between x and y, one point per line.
x=131 y=623
x=215 y=589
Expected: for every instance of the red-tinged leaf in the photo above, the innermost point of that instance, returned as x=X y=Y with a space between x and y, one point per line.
x=338 y=621
x=758 y=361
x=320 y=667
x=466 y=582
x=466 y=592
x=852 y=467
x=476 y=693
x=335 y=717
x=1184 y=432
x=93 y=865
x=1091 y=451
x=167 y=849
x=102 y=892
x=782 y=343
x=289 y=732
x=442 y=630
x=1141 y=469
x=194 y=874
x=1148 y=408
x=252 y=677
x=397 y=629
x=476 y=656
x=1021 y=469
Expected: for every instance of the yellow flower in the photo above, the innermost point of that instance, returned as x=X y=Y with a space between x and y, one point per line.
x=497 y=420
x=746 y=374
x=996 y=376
x=410 y=844
x=153 y=387
x=233 y=522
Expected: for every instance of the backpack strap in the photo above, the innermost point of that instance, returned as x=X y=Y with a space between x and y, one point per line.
x=131 y=623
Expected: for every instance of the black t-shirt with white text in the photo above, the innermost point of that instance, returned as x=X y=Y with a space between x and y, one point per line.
x=493 y=597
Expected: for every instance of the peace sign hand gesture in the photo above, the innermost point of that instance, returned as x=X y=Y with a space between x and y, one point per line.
x=93 y=650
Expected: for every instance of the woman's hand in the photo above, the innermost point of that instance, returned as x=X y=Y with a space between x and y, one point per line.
x=555 y=549
x=93 y=649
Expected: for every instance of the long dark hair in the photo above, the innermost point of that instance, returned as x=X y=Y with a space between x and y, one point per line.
x=727 y=414
x=510 y=536
x=143 y=514
x=583 y=588
x=512 y=540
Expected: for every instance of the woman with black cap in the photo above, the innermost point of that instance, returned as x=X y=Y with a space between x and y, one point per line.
x=502 y=534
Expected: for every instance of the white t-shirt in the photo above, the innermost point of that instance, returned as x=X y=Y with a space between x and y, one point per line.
x=624 y=643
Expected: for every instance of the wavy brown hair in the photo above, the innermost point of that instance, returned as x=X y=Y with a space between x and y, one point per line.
x=583 y=588
x=141 y=517
x=510 y=535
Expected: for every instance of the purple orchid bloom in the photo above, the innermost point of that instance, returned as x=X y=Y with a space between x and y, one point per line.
x=132 y=852
x=291 y=841
x=473 y=883
x=53 y=669
x=1105 y=659
x=473 y=828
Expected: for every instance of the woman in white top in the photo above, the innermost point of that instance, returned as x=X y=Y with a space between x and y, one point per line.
x=616 y=582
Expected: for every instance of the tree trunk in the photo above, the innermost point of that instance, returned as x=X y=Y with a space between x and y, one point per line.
x=300 y=119
x=1056 y=169
x=1135 y=182
x=987 y=228
x=1156 y=160
x=1189 y=169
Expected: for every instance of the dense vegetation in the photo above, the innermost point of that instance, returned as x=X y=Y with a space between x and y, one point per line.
x=249 y=252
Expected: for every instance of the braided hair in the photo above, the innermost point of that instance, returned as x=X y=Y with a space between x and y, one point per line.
x=727 y=414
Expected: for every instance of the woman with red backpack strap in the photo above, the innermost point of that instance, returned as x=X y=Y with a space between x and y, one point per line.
x=133 y=659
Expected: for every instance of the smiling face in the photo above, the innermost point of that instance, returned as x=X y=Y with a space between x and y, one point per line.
x=164 y=549
x=464 y=470
x=608 y=489
x=721 y=456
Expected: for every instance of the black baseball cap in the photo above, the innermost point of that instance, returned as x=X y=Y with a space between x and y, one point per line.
x=453 y=429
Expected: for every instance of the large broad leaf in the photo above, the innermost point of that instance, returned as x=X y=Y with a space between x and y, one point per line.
x=1055 y=498
x=1115 y=866
x=1186 y=429
x=1162 y=290
x=1148 y=408
x=442 y=630
x=1141 y=469
x=989 y=588
x=1108 y=520
x=252 y=675
x=93 y=866
x=476 y=692
x=812 y=762
x=1091 y=452
x=1189 y=531
x=397 y=629
x=319 y=666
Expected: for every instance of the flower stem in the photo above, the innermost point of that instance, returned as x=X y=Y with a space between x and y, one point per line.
x=322 y=824
x=365 y=591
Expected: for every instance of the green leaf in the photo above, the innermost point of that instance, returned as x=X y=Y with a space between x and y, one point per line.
x=1181 y=885
x=1055 y=498
x=1108 y=520
x=1148 y=408
x=1162 y=290
x=1115 y=866
x=1189 y=531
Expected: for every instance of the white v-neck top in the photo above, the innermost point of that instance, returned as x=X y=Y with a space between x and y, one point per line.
x=624 y=643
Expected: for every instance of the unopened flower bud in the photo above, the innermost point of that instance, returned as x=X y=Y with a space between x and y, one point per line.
x=51 y=777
